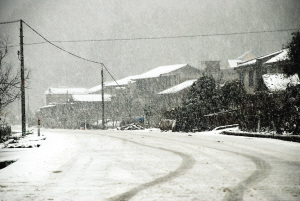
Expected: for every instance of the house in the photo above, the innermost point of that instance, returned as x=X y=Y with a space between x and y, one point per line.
x=163 y=77
x=62 y=95
x=232 y=63
x=147 y=86
x=112 y=87
x=173 y=96
x=88 y=108
x=253 y=73
x=78 y=110
x=229 y=73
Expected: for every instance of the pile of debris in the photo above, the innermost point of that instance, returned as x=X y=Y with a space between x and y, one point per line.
x=132 y=126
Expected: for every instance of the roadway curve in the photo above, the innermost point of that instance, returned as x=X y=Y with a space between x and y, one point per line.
x=140 y=165
x=236 y=192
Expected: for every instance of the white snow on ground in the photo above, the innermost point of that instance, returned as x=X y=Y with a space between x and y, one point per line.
x=152 y=165
x=179 y=87
x=28 y=141
x=279 y=82
x=156 y=72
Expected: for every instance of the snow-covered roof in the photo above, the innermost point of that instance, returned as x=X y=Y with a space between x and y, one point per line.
x=247 y=56
x=179 y=87
x=246 y=63
x=64 y=90
x=268 y=55
x=280 y=57
x=95 y=89
x=233 y=63
x=47 y=106
x=279 y=81
x=253 y=61
x=121 y=82
x=159 y=71
x=91 y=97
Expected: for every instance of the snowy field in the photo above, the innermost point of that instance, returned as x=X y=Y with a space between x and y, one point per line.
x=151 y=165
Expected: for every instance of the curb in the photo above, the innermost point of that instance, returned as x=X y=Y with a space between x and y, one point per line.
x=292 y=138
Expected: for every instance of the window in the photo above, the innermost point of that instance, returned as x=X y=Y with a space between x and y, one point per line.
x=242 y=78
x=251 y=78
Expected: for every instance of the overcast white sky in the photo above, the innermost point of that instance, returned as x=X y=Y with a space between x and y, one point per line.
x=108 y=19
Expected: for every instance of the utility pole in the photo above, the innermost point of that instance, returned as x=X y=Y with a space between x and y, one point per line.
x=102 y=96
x=22 y=81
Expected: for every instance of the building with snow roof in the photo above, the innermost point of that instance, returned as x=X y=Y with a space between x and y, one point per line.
x=256 y=74
x=62 y=94
x=164 y=77
x=89 y=98
x=147 y=86
x=112 y=87
x=173 y=96
x=233 y=63
x=80 y=110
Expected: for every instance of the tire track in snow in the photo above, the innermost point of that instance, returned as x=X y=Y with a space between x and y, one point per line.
x=236 y=193
x=262 y=171
x=186 y=164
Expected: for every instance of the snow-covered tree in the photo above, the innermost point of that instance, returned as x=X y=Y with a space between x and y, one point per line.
x=232 y=95
x=203 y=98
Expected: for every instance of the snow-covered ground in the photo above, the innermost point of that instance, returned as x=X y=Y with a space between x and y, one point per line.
x=152 y=165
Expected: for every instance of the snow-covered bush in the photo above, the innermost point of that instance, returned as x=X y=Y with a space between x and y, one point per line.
x=260 y=111
x=278 y=112
x=290 y=112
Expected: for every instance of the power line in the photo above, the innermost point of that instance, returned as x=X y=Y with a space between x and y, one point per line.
x=60 y=47
x=161 y=37
x=131 y=39
x=10 y=22
x=85 y=59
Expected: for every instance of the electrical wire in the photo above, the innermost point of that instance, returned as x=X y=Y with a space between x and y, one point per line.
x=10 y=22
x=60 y=47
x=130 y=39
x=75 y=55
x=161 y=37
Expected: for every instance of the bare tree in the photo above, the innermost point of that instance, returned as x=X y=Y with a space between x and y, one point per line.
x=10 y=78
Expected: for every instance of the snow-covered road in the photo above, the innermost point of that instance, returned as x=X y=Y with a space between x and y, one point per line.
x=151 y=165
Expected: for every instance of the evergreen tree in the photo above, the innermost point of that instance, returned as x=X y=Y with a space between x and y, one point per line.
x=203 y=98
x=292 y=65
x=232 y=94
